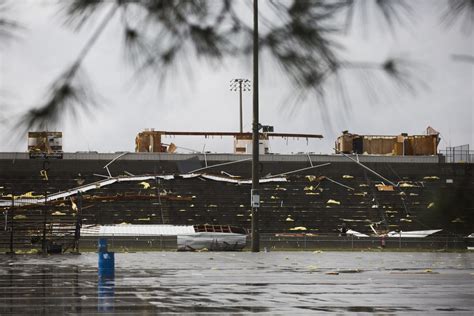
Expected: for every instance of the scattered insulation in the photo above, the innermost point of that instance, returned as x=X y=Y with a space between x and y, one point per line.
x=383 y=187
x=298 y=228
x=432 y=204
x=146 y=185
x=431 y=178
x=289 y=219
x=331 y=201
x=347 y=176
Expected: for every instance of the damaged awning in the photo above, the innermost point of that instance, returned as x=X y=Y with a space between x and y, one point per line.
x=237 y=181
x=105 y=182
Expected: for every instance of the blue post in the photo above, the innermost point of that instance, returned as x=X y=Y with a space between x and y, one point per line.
x=106 y=260
x=106 y=274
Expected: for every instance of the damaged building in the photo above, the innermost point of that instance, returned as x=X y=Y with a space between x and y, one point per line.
x=396 y=145
x=46 y=200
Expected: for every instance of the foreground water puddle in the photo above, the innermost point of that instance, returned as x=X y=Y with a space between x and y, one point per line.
x=183 y=283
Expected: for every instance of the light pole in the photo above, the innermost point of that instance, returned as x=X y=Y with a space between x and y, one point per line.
x=240 y=85
x=255 y=197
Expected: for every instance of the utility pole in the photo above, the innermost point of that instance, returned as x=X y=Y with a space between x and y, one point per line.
x=240 y=85
x=12 y=221
x=255 y=197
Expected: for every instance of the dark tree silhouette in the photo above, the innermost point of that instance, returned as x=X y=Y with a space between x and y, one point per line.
x=158 y=35
x=8 y=27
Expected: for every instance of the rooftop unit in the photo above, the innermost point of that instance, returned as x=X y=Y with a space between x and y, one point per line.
x=398 y=145
x=45 y=144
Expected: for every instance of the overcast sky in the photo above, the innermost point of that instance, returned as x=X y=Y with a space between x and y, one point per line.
x=202 y=101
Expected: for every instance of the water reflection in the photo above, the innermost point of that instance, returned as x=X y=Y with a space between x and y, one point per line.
x=106 y=293
x=223 y=283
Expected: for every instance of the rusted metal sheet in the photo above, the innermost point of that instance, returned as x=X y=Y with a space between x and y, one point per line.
x=151 y=140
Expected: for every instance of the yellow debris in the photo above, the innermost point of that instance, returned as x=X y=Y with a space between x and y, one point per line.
x=19 y=217
x=382 y=187
x=318 y=251
x=73 y=205
x=432 y=204
x=146 y=185
x=144 y=219
x=363 y=185
x=311 y=178
x=44 y=174
x=347 y=176
x=28 y=195
x=298 y=228
x=289 y=219
x=312 y=193
x=58 y=213
x=361 y=193
x=431 y=178
x=310 y=188
x=331 y=201
x=406 y=185
x=405 y=220
x=182 y=210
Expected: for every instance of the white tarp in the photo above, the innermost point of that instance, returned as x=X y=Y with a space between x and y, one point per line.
x=137 y=230
x=413 y=233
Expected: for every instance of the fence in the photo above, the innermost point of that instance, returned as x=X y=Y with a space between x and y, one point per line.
x=299 y=242
x=458 y=154
x=305 y=242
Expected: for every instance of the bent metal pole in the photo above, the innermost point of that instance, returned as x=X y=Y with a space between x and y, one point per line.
x=255 y=197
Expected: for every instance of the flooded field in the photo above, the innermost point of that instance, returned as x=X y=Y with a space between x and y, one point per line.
x=282 y=283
